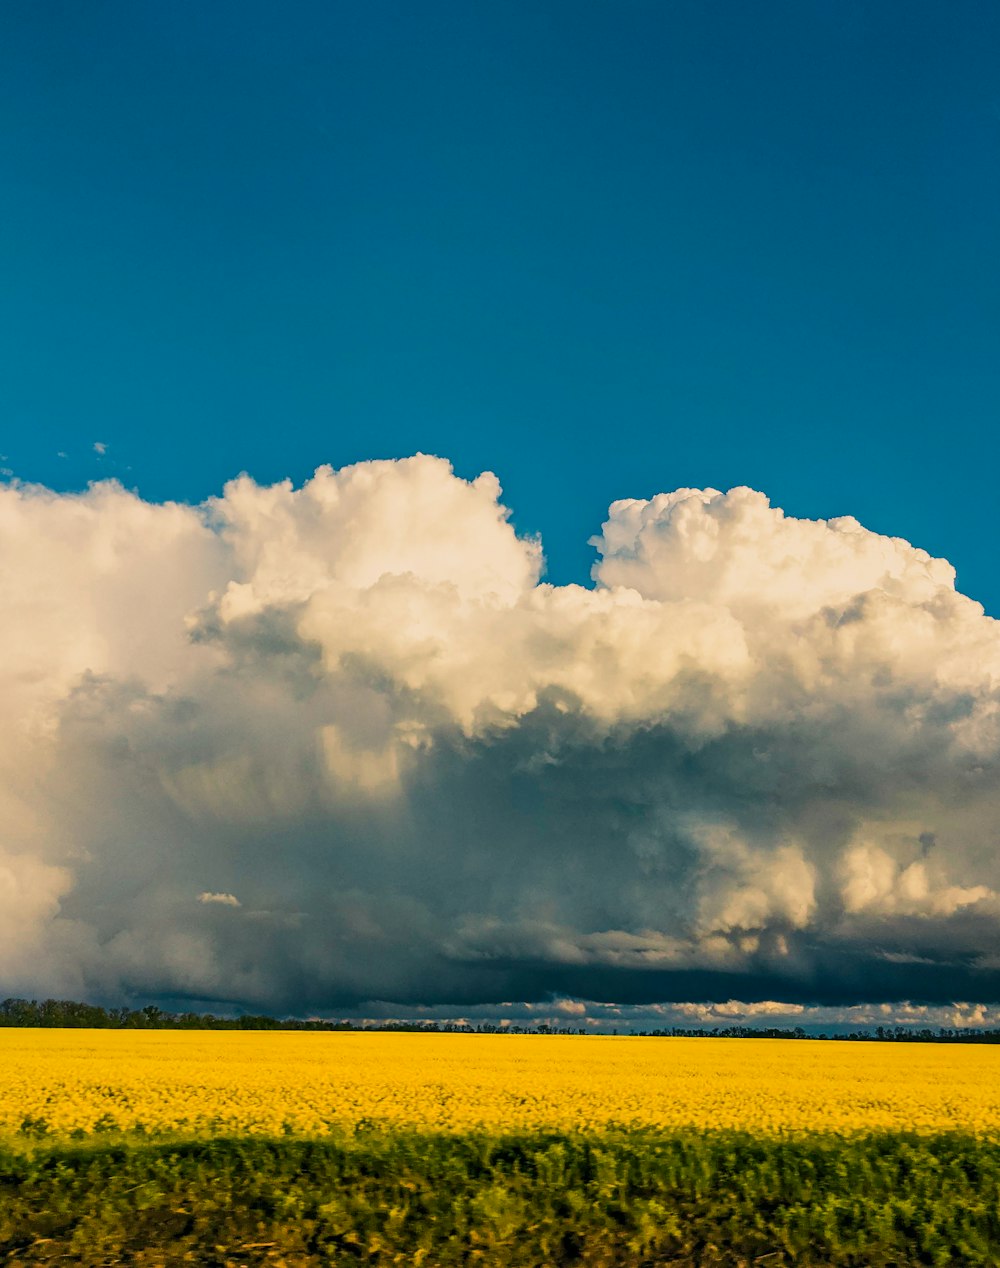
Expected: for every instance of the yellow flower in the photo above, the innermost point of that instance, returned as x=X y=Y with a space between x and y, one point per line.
x=66 y=1081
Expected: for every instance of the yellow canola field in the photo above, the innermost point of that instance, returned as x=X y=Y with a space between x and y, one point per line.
x=225 y=1082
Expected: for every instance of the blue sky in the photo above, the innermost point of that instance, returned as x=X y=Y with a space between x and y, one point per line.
x=345 y=750
x=602 y=249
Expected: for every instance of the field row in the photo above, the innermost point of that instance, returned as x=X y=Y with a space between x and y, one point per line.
x=602 y=1199
x=65 y=1083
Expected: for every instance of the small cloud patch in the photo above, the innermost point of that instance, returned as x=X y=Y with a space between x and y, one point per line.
x=223 y=900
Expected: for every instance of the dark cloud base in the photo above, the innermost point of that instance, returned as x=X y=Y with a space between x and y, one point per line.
x=844 y=982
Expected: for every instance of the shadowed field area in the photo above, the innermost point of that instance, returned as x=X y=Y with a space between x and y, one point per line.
x=604 y=1198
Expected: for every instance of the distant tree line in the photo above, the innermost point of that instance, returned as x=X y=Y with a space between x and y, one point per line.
x=66 y=1013
x=881 y=1034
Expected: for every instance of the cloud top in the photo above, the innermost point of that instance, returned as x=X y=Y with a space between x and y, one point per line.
x=757 y=759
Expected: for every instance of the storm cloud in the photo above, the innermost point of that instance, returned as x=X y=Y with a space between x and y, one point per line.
x=302 y=748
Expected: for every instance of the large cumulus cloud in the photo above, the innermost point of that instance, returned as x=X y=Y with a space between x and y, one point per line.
x=304 y=748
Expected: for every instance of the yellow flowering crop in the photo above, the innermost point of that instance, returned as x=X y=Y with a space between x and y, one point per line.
x=223 y=1081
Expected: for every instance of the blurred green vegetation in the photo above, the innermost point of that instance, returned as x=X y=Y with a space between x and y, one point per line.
x=611 y=1198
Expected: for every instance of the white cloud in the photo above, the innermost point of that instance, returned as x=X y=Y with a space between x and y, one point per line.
x=100 y=447
x=738 y=1012
x=759 y=758
x=873 y=881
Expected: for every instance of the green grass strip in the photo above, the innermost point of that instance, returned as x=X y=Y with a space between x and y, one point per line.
x=610 y=1198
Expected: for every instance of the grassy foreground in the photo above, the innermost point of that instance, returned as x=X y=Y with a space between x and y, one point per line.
x=608 y=1198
